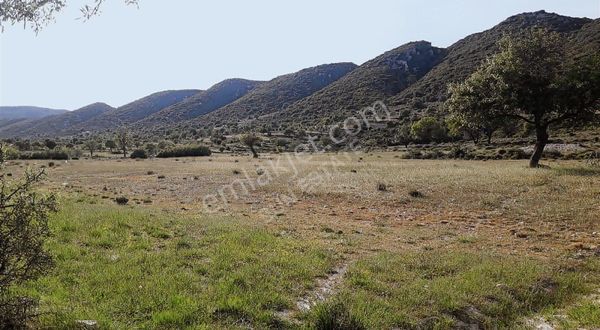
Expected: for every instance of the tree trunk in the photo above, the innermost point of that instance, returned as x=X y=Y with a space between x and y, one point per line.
x=541 y=133
x=489 y=137
x=254 y=153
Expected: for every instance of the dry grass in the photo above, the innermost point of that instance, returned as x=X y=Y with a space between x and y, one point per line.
x=333 y=201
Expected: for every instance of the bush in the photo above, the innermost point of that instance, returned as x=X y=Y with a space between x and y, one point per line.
x=10 y=153
x=49 y=154
x=122 y=200
x=186 y=151
x=139 y=153
x=23 y=255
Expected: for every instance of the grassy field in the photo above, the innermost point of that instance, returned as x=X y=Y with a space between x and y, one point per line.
x=362 y=240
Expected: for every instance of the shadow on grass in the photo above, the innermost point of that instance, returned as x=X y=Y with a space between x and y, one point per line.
x=578 y=171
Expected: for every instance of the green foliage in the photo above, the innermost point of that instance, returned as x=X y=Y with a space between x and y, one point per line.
x=428 y=129
x=139 y=153
x=50 y=144
x=92 y=144
x=152 y=149
x=47 y=154
x=9 y=152
x=531 y=80
x=404 y=135
x=110 y=144
x=185 y=151
x=23 y=255
x=250 y=140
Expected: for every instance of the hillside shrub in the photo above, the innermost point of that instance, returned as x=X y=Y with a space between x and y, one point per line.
x=47 y=154
x=185 y=151
x=139 y=153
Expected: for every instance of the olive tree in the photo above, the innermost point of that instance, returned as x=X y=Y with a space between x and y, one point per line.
x=250 y=140
x=38 y=13
x=92 y=144
x=533 y=80
x=123 y=141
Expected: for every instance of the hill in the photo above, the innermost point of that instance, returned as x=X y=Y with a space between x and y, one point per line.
x=377 y=79
x=277 y=94
x=463 y=57
x=55 y=125
x=134 y=111
x=27 y=112
x=201 y=103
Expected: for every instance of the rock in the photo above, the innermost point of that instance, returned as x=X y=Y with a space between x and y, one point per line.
x=87 y=324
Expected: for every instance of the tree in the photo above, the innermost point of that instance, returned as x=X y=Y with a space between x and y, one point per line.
x=38 y=13
x=459 y=128
x=92 y=144
x=428 y=129
x=152 y=149
x=460 y=125
x=50 y=144
x=110 y=144
x=23 y=231
x=531 y=79
x=403 y=135
x=123 y=141
x=250 y=140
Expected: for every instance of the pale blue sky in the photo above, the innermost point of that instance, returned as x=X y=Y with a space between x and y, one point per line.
x=127 y=53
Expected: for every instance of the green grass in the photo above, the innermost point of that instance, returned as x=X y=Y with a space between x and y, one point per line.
x=441 y=289
x=130 y=268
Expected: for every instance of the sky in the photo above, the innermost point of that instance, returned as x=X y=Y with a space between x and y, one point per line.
x=128 y=52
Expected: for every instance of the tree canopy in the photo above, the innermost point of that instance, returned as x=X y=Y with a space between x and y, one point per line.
x=531 y=79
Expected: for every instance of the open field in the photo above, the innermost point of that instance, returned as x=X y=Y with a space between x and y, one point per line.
x=365 y=240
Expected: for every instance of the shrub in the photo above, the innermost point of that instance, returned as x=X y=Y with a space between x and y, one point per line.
x=10 y=153
x=48 y=154
x=23 y=257
x=428 y=129
x=381 y=186
x=139 y=153
x=122 y=200
x=416 y=194
x=186 y=151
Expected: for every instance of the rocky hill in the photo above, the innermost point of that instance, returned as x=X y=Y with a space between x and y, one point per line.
x=277 y=94
x=199 y=104
x=134 y=111
x=377 y=79
x=465 y=56
x=411 y=79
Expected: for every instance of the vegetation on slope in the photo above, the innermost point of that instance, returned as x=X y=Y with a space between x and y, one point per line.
x=277 y=94
x=135 y=110
x=202 y=103
x=377 y=79
x=58 y=124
